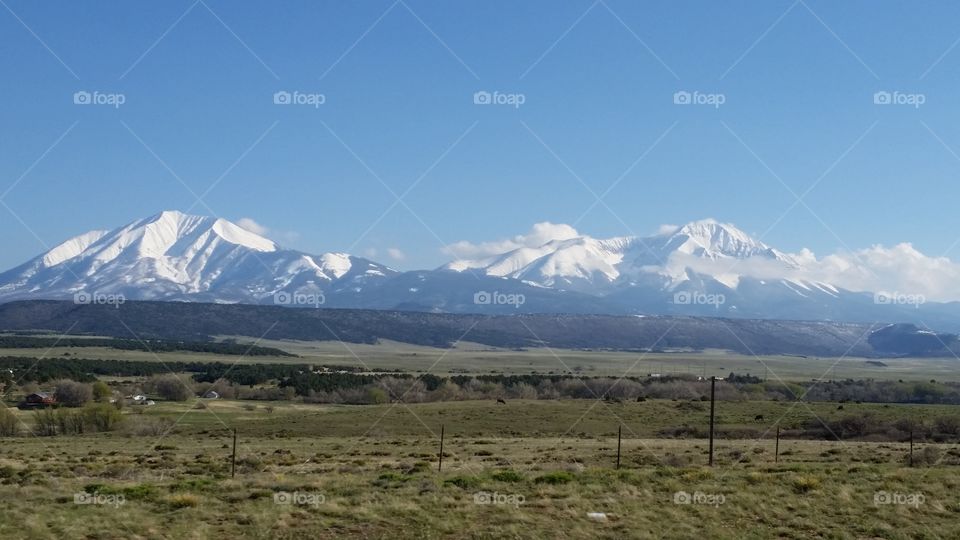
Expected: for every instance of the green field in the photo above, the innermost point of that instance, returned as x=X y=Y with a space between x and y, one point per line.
x=527 y=469
x=471 y=358
x=522 y=469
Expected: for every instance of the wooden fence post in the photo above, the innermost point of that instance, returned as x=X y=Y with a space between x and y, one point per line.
x=619 y=435
x=713 y=388
x=440 y=464
x=776 y=449
x=911 y=446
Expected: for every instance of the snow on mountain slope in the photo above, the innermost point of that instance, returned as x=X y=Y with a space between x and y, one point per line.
x=592 y=265
x=177 y=256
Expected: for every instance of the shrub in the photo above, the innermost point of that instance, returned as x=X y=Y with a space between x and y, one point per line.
x=507 y=476
x=101 y=392
x=152 y=427
x=169 y=387
x=183 y=500
x=9 y=424
x=804 y=484
x=949 y=425
x=377 y=396
x=72 y=393
x=554 y=478
x=463 y=482
x=46 y=423
x=102 y=416
x=927 y=456
x=70 y=422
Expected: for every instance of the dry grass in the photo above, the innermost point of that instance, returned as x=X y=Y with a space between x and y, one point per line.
x=294 y=482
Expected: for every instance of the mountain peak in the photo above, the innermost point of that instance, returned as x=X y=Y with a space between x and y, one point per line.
x=162 y=231
x=175 y=255
x=711 y=238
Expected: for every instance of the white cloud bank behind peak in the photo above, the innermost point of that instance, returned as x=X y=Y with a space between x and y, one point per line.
x=540 y=234
x=900 y=269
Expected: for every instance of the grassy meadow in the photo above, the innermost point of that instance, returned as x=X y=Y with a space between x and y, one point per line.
x=527 y=469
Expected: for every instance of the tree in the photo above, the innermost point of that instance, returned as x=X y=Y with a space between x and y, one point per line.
x=72 y=393
x=102 y=416
x=9 y=424
x=169 y=387
x=377 y=395
x=101 y=392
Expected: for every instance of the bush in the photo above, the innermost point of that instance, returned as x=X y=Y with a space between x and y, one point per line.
x=101 y=392
x=183 y=500
x=507 y=476
x=151 y=427
x=463 y=482
x=926 y=457
x=169 y=387
x=554 y=478
x=804 y=484
x=72 y=393
x=46 y=423
x=102 y=416
x=377 y=396
x=70 y=422
x=9 y=424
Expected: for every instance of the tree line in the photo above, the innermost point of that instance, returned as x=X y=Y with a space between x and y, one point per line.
x=149 y=345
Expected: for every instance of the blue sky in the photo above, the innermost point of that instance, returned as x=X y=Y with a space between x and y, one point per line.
x=398 y=80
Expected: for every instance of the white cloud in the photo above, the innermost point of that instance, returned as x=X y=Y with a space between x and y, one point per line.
x=370 y=253
x=901 y=269
x=666 y=229
x=396 y=254
x=898 y=269
x=252 y=226
x=284 y=237
x=539 y=234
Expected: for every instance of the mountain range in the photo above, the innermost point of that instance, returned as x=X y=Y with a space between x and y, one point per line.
x=700 y=269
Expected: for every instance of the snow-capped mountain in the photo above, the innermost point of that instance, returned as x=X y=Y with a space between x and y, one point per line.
x=592 y=265
x=174 y=256
x=703 y=268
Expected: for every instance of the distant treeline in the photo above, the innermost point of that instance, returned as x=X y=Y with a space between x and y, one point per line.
x=358 y=386
x=87 y=370
x=151 y=345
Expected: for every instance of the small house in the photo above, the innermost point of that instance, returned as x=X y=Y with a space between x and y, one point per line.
x=211 y=394
x=38 y=400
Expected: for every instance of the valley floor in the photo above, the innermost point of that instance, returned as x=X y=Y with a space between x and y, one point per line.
x=371 y=472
